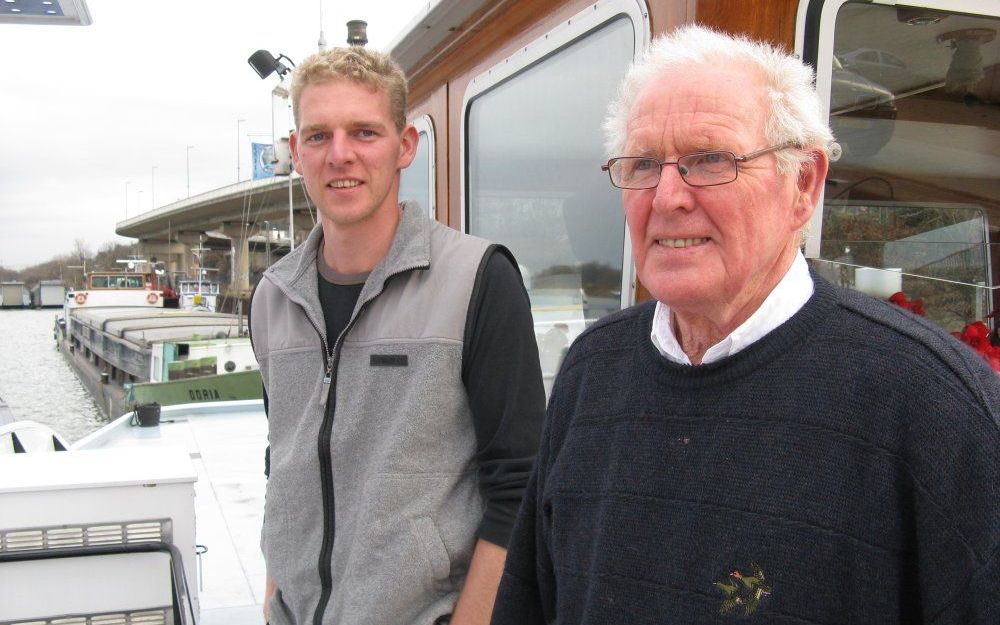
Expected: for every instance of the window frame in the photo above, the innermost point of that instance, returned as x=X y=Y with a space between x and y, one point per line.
x=424 y=124
x=561 y=36
x=814 y=36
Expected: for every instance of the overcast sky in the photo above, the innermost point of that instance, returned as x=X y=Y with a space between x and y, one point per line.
x=87 y=112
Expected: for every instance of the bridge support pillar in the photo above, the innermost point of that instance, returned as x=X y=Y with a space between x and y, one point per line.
x=169 y=253
x=239 y=234
x=191 y=242
x=241 y=264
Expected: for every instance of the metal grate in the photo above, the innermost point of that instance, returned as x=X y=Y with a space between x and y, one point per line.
x=85 y=536
x=159 y=616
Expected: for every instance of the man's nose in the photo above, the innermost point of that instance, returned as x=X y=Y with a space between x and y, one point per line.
x=340 y=149
x=672 y=193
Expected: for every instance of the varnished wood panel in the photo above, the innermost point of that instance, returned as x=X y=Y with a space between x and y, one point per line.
x=665 y=15
x=770 y=20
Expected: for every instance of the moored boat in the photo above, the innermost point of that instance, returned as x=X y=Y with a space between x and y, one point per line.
x=122 y=353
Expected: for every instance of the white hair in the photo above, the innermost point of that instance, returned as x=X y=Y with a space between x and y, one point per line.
x=795 y=113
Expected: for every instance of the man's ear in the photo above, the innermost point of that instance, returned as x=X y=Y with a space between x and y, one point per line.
x=293 y=145
x=407 y=146
x=809 y=185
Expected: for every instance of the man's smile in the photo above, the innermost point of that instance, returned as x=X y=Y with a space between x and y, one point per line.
x=682 y=242
x=345 y=183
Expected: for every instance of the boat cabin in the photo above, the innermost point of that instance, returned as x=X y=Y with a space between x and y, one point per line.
x=509 y=97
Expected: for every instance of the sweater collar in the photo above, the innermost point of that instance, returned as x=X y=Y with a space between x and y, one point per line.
x=297 y=275
x=792 y=333
x=788 y=296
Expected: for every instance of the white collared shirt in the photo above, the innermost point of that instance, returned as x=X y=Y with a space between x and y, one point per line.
x=787 y=298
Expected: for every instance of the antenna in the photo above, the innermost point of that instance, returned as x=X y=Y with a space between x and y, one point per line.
x=321 y=44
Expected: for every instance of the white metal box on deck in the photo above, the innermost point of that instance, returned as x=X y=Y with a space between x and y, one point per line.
x=73 y=498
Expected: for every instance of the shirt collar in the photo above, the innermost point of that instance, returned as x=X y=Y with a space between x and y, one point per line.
x=787 y=298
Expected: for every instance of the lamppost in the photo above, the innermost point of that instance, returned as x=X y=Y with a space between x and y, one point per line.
x=265 y=64
x=267 y=244
x=152 y=188
x=189 y=148
x=238 y=141
x=127 y=183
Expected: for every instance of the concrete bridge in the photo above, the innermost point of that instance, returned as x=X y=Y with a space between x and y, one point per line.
x=237 y=212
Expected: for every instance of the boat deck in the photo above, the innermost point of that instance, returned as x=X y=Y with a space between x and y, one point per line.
x=141 y=326
x=226 y=443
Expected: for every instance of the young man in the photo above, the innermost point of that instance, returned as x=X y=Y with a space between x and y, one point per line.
x=404 y=394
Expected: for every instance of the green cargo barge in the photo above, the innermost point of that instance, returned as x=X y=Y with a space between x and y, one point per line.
x=239 y=385
x=134 y=355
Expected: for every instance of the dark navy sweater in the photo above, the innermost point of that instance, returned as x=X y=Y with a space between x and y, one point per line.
x=843 y=469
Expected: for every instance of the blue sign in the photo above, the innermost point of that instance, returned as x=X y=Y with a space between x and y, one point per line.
x=263 y=160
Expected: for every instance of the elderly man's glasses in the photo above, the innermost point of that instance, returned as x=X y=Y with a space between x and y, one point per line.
x=700 y=169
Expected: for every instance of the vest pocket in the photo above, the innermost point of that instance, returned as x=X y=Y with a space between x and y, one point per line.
x=429 y=539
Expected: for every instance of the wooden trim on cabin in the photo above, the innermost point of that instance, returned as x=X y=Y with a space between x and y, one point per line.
x=770 y=20
x=665 y=15
x=487 y=37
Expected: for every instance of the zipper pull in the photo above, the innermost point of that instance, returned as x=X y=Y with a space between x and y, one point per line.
x=324 y=393
x=327 y=378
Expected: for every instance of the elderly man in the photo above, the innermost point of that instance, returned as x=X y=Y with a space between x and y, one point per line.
x=756 y=441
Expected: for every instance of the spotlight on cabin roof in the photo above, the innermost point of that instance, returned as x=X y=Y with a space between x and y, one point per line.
x=357 y=33
x=265 y=64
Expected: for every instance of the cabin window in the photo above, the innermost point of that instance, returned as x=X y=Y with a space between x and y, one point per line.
x=913 y=203
x=534 y=147
x=99 y=282
x=416 y=182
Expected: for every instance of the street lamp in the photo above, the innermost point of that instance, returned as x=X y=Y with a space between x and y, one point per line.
x=238 y=141
x=189 y=148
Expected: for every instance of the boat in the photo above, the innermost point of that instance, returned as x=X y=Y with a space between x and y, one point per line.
x=13 y=294
x=48 y=294
x=132 y=339
x=509 y=99
x=197 y=294
x=153 y=519
x=134 y=354
x=140 y=285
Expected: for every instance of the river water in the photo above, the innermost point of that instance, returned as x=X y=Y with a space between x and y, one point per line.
x=37 y=382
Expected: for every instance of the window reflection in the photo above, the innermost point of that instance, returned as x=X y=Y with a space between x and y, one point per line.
x=534 y=184
x=914 y=104
x=415 y=180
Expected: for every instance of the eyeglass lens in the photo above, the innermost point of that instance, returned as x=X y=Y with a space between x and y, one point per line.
x=700 y=169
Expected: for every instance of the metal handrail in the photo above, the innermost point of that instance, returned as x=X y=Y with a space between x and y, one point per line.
x=179 y=589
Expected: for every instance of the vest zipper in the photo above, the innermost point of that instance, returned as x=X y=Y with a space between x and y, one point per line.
x=325 y=459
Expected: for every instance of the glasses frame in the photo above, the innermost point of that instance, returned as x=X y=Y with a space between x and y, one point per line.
x=737 y=159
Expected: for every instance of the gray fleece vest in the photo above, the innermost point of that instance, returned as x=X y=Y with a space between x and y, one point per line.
x=401 y=448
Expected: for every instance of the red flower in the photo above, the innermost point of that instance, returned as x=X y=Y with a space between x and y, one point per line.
x=976 y=334
x=899 y=299
x=916 y=306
